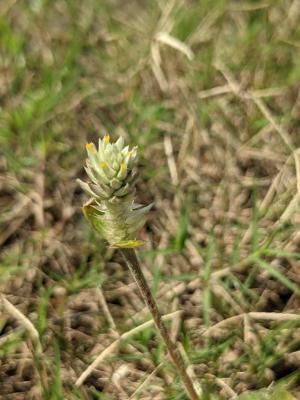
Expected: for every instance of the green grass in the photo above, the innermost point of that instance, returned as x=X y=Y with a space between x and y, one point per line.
x=71 y=71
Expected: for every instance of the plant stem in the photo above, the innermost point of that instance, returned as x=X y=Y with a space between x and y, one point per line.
x=135 y=269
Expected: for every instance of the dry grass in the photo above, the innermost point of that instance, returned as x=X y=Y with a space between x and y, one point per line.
x=209 y=91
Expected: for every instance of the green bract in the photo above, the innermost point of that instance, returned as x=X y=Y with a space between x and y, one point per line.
x=111 y=210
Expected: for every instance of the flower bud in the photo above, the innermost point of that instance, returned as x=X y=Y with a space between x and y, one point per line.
x=112 y=211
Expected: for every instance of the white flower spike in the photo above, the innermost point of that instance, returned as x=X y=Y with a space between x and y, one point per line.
x=111 y=210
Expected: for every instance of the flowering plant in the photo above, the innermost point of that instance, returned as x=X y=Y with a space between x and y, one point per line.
x=117 y=218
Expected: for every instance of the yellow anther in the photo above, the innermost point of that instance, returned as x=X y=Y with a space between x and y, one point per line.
x=106 y=139
x=90 y=147
x=123 y=167
x=103 y=165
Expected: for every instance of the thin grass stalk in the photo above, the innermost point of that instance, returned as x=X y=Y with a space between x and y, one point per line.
x=136 y=271
x=37 y=351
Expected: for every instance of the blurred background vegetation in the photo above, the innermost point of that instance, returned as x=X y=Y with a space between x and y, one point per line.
x=209 y=91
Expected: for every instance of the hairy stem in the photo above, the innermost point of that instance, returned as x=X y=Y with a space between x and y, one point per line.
x=135 y=269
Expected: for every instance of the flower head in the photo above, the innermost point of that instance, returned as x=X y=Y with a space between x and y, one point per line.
x=112 y=172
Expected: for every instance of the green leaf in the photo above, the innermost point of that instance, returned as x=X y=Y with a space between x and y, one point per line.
x=278 y=275
x=260 y=395
x=255 y=223
x=56 y=390
x=206 y=297
x=128 y=244
x=281 y=253
x=282 y=394
x=276 y=394
x=11 y=342
x=182 y=230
